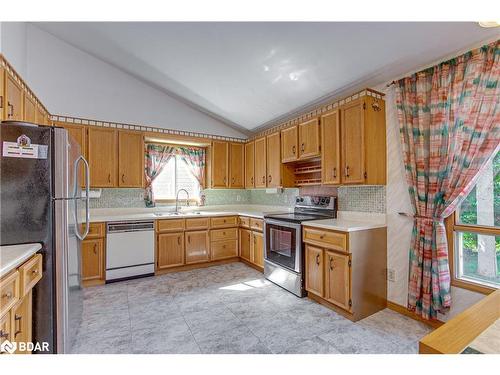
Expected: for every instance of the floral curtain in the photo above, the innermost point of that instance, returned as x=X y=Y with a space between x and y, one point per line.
x=195 y=159
x=157 y=157
x=449 y=125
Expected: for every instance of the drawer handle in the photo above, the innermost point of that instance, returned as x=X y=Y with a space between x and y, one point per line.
x=7 y=295
x=321 y=236
x=223 y=233
x=223 y=246
x=317 y=259
x=224 y=220
x=4 y=334
x=35 y=271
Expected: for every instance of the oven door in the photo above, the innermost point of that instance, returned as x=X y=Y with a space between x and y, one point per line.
x=283 y=244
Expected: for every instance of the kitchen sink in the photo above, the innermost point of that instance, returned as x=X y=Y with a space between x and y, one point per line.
x=177 y=213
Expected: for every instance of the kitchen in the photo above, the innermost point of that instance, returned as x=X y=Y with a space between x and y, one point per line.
x=265 y=226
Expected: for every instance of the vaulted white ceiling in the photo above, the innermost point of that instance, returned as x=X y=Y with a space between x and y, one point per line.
x=249 y=74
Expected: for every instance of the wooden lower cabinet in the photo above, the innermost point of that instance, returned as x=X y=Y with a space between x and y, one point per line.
x=224 y=249
x=197 y=246
x=170 y=250
x=93 y=259
x=314 y=270
x=245 y=243
x=337 y=279
x=21 y=322
x=257 y=253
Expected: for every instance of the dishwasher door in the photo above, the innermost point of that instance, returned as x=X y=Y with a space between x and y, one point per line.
x=129 y=250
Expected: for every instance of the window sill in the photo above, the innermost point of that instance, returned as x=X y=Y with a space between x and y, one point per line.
x=474 y=287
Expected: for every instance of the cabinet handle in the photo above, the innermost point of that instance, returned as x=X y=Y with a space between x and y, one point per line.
x=123 y=178
x=109 y=177
x=293 y=150
x=17 y=318
x=334 y=172
x=34 y=272
x=232 y=180
x=347 y=171
x=251 y=180
x=263 y=179
x=317 y=259
x=189 y=239
x=224 y=180
x=95 y=249
x=223 y=246
x=270 y=178
x=10 y=113
x=332 y=265
x=302 y=147
x=178 y=240
x=1 y=101
x=7 y=295
x=4 y=334
x=321 y=236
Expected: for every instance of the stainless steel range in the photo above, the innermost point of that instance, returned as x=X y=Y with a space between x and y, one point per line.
x=283 y=247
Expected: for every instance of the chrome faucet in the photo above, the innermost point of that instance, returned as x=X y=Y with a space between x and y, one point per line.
x=177 y=199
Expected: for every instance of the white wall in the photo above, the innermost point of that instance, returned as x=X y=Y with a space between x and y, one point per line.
x=71 y=82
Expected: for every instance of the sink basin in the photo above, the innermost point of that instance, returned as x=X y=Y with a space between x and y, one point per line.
x=177 y=213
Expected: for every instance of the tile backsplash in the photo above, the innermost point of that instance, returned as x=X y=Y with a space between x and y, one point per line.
x=351 y=198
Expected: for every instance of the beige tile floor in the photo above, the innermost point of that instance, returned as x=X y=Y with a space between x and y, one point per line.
x=229 y=309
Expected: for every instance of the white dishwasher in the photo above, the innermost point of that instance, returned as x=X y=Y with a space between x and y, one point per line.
x=130 y=250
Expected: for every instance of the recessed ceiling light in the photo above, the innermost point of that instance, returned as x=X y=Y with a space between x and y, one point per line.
x=489 y=24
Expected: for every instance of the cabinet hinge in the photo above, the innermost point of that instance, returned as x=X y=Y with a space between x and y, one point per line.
x=350 y=303
x=364 y=105
x=349 y=263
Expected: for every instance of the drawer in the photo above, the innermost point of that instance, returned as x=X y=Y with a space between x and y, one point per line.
x=9 y=292
x=224 y=234
x=96 y=230
x=224 y=222
x=257 y=224
x=30 y=273
x=244 y=221
x=325 y=238
x=198 y=223
x=170 y=225
x=224 y=249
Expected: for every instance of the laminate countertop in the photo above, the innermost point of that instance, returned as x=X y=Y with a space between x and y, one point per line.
x=347 y=221
x=13 y=256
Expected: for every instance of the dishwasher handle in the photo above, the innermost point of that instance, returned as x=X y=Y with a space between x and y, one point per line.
x=130 y=226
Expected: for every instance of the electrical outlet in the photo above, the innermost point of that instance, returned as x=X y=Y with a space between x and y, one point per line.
x=391 y=274
x=238 y=198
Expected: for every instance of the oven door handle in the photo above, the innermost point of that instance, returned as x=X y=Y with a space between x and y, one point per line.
x=282 y=223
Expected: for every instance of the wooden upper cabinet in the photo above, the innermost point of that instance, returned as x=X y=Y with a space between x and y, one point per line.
x=330 y=148
x=337 y=279
x=289 y=141
x=220 y=164
x=376 y=141
x=13 y=99
x=41 y=118
x=309 y=139
x=353 y=142
x=130 y=159
x=273 y=160
x=102 y=156
x=78 y=133
x=29 y=109
x=314 y=270
x=249 y=165
x=2 y=93
x=237 y=165
x=260 y=162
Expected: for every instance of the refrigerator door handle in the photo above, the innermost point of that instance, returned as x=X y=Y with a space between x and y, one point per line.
x=79 y=235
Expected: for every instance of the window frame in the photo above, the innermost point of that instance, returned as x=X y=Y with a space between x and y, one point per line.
x=451 y=228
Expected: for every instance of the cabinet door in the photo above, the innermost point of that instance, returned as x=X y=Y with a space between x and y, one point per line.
x=237 y=165
x=353 y=143
x=79 y=135
x=2 y=100
x=197 y=246
x=337 y=279
x=130 y=159
x=21 y=321
x=13 y=99
x=257 y=252
x=245 y=241
x=249 y=165
x=220 y=158
x=330 y=148
x=93 y=259
x=170 y=250
x=102 y=157
x=289 y=142
x=260 y=162
x=273 y=160
x=309 y=145
x=314 y=270
x=29 y=109
x=5 y=330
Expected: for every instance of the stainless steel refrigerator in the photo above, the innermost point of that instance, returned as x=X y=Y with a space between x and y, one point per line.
x=41 y=201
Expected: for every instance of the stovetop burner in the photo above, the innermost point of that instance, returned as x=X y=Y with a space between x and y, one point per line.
x=309 y=208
